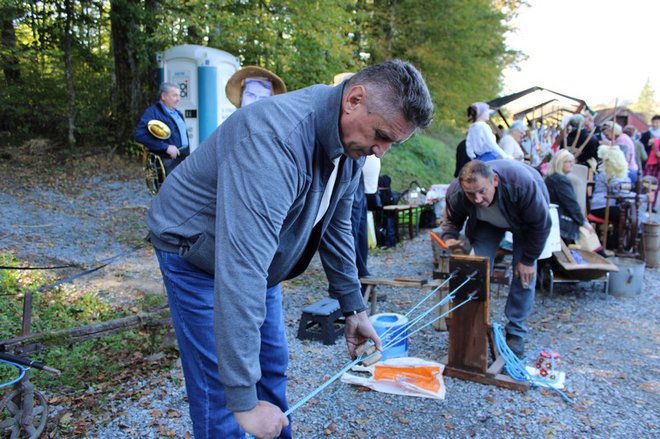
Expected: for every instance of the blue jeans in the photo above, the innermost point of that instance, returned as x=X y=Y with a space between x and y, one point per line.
x=520 y=300
x=190 y=293
x=360 y=234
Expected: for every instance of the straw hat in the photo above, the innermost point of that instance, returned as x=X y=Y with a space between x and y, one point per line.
x=159 y=129
x=234 y=88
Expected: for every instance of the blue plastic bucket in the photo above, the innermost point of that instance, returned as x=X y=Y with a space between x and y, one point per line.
x=395 y=326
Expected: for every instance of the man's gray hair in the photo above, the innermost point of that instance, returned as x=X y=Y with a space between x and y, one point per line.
x=165 y=87
x=475 y=169
x=396 y=87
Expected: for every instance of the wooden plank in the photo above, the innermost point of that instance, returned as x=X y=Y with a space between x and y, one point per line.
x=82 y=333
x=468 y=341
x=391 y=282
x=567 y=252
x=496 y=367
x=441 y=324
x=496 y=380
x=411 y=280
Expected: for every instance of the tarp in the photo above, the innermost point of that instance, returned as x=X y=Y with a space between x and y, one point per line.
x=539 y=101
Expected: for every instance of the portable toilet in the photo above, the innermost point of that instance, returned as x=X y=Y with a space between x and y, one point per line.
x=201 y=73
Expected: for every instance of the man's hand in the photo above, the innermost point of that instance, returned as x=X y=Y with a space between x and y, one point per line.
x=172 y=151
x=264 y=421
x=455 y=246
x=525 y=273
x=358 y=330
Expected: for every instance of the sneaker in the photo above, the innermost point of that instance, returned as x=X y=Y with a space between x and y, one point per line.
x=517 y=345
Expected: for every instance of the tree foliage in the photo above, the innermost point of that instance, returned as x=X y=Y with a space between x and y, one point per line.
x=457 y=44
x=83 y=70
x=646 y=101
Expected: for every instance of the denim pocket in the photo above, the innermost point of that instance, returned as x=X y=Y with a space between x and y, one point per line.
x=201 y=253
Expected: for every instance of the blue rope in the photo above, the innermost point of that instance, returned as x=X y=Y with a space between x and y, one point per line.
x=450 y=296
x=361 y=358
x=396 y=339
x=21 y=374
x=516 y=367
x=404 y=336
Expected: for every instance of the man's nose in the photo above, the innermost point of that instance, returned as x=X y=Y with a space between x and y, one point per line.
x=379 y=149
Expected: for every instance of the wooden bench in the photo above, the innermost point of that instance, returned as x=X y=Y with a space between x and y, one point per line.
x=370 y=292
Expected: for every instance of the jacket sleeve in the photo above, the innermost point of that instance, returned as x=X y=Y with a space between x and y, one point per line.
x=568 y=199
x=257 y=182
x=534 y=205
x=143 y=136
x=454 y=213
x=337 y=254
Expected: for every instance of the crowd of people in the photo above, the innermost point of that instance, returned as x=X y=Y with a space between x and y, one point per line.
x=553 y=150
x=506 y=185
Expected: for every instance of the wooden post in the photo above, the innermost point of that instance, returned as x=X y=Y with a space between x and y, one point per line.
x=470 y=332
x=443 y=265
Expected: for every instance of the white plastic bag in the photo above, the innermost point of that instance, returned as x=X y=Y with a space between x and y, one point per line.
x=408 y=376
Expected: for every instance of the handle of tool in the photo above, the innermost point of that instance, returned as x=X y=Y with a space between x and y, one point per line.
x=437 y=239
x=29 y=363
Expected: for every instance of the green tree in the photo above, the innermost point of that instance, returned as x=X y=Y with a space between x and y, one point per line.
x=458 y=45
x=646 y=101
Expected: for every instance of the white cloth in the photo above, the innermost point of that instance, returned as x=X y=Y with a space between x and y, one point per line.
x=370 y=172
x=511 y=147
x=480 y=140
x=327 y=193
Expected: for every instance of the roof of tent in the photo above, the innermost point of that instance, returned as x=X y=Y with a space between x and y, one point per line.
x=540 y=102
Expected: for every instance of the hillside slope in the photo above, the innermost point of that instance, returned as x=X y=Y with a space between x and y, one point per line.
x=423 y=159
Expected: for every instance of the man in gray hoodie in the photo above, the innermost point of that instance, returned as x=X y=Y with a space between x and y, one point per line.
x=271 y=186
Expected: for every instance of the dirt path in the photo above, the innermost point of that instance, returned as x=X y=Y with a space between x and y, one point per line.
x=79 y=213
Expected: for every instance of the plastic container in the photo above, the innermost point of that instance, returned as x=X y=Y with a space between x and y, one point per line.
x=629 y=279
x=395 y=326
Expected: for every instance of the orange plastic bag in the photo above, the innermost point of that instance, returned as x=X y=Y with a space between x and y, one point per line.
x=407 y=376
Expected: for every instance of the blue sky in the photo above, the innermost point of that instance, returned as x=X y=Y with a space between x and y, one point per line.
x=597 y=50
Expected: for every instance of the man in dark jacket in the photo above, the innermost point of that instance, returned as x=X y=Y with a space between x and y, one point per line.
x=172 y=148
x=495 y=197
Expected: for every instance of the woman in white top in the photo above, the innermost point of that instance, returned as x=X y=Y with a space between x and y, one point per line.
x=510 y=143
x=480 y=142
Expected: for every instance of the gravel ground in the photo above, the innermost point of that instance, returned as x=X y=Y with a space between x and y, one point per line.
x=608 y=345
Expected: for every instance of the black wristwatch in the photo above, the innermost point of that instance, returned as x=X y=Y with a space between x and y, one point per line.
x=354 y=312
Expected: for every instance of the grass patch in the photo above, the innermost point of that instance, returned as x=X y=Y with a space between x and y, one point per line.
x=421 y=158
x=82 y=364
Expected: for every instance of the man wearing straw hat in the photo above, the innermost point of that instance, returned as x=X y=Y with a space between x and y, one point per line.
x=271 y=186
x=251 y=84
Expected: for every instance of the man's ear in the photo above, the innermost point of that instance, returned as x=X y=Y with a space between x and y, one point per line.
x=355 y=97
x=496 y=180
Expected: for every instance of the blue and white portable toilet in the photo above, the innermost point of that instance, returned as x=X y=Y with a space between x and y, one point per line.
x=202 y=74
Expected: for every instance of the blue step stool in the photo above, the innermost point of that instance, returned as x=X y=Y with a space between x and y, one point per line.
x=321 y=320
